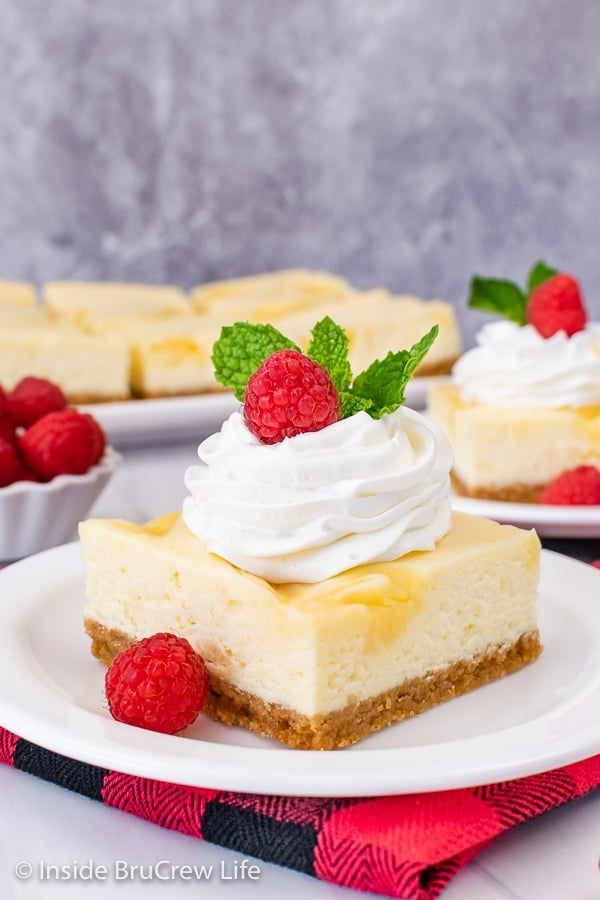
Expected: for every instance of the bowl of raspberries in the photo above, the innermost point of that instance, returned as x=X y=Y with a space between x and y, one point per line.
x=54 y=463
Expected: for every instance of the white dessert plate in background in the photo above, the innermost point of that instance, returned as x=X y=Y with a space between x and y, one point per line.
x=135 y=423
x=548 y=521
x=51 y=693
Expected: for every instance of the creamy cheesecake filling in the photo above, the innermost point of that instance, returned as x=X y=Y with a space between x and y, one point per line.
x=317 y=648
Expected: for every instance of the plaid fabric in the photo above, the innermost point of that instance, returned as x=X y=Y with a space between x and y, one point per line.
x=402 y=846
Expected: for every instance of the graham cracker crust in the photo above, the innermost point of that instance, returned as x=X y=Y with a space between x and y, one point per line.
x=512 y=493
x=346 y=726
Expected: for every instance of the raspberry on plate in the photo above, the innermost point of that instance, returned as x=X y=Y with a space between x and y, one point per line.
x=557 y=305
x=575 y=487
x=60 y=443
x=289 y=394
x=159 y=683
x=33 y=398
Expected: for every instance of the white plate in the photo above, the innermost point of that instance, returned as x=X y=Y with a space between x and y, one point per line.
x=548 y=521
x=170 y=419
x=164 y=420
x=539 y=718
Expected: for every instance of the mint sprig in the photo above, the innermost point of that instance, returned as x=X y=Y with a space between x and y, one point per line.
x=384 y=382
x=329 y=347
x=380 y=389
x=540 y=273
x=241 y=349
x=506 y=298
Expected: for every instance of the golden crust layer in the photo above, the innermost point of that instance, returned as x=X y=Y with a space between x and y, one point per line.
x=346 y=726
x=512 y=493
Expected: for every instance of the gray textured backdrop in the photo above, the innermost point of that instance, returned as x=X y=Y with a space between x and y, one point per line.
x=407 y=143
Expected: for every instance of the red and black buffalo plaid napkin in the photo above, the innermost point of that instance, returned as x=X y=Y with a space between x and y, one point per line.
x=404 y=846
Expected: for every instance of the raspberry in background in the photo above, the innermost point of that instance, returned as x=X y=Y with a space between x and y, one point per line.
x=159 y=683
x=2 y=401
x=7 y=430
x=557 y=305
x=31 y=399
x=98 y=435
x=60 y=443
x=289 y=394
x=12 y=467
x=575 y=487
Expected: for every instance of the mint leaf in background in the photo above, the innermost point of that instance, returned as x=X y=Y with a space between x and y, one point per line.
x=383 y=383
x=241 y=349
x=540 y=273
x=499 y=296
x=329 y=348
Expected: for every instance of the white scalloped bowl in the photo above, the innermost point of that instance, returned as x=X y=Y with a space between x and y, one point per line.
x=36 y=516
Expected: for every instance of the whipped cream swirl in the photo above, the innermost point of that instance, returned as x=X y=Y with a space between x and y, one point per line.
x=358 y=491
x=516 y=366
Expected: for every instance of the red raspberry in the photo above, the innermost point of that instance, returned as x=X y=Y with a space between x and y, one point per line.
x=98 y=435
x=11 y=464
x=287 y=395
x=159 y=683
x=33 y=398
x=2 y=401
x=557 y=305
x=596 y=563
x=577 y=487
x=60 y=443
x=7 y=430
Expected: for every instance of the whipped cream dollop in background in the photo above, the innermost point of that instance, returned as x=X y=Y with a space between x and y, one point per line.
x=514 y=365
x=359 y=491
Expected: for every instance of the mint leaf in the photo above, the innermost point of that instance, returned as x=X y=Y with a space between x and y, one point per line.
x=329 y=348
x=241 y=349
x=499 y=296
x=540 y=273
x=351 y=403
x=383 y=383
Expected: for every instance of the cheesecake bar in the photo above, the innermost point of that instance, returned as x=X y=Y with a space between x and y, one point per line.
x=512 y=453
x=85 y=301
x=320 y=666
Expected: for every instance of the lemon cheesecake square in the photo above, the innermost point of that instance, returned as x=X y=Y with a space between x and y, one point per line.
x=513 y=453
x=268 y=296
x=321 y=665
x=86 y=301
x=88 y=369
x=377 y=323
x=17 y=295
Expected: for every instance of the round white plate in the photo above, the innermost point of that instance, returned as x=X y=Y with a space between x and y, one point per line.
x=51 y=693
x=165 y=420
x=548 y=521
x=168 y=419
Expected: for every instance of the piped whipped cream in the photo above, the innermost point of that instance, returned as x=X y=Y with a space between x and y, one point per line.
x=515 y=366
x=359 y=491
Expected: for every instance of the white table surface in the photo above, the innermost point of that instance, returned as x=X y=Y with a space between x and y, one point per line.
x=551 y=858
